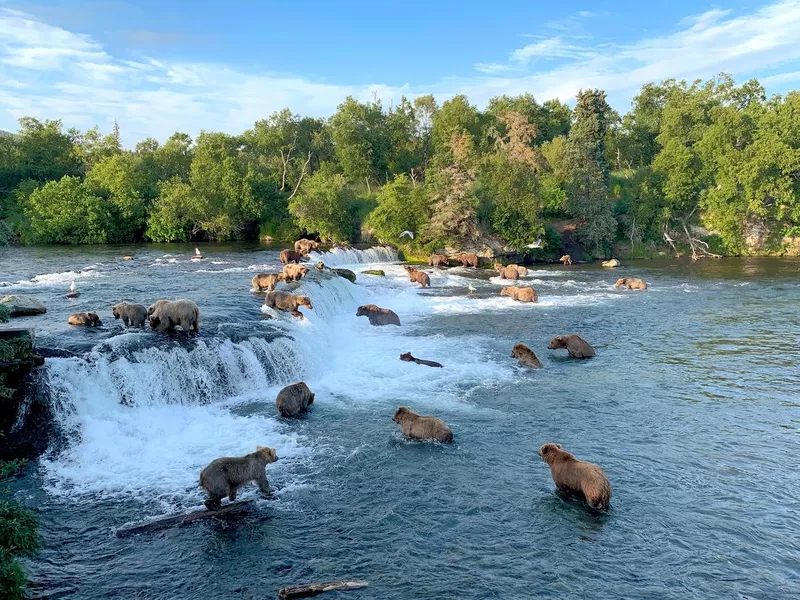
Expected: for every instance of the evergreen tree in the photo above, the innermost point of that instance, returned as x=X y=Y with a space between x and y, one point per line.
x=588 y=194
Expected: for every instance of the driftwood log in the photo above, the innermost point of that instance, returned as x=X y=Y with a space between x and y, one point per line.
x=306 y=591
x=233 y=509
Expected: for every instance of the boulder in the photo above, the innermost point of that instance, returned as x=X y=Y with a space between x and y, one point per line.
x=378 y=272
x=346 y=273
x=22 y=306
x=611 y=263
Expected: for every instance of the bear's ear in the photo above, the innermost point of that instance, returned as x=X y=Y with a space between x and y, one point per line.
x=557 y=446
x=259 y=448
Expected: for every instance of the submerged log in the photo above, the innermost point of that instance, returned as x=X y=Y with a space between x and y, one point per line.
x=306 y=591
x=229 y=510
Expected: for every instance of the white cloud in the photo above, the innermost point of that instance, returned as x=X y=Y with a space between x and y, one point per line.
x=50 y=72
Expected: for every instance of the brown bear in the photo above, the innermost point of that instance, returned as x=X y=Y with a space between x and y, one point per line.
x=523 y=271
x=631 y=283
x=526 y=356
x=294 y=272
x=378 y=316
x=575 y=345
x=132 y=315
x=468 y=259
x=419 y=427
x=223 y=476
x=566 y=259
x=89 y=319
x=294 y=399
x=577 y=477
x=508 y=273
x=428 y=363
x=520 y=294
x=165 y=315
x=439 y=260
x=287 y=302
x=267 y=281
x=304 y=247
x=288 y=256
x=417 y=276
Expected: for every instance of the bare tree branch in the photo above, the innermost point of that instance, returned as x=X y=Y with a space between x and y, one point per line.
x=300 y=179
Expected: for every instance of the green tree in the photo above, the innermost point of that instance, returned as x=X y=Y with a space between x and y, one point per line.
x=65 y=212
x=588 y=194
x=402 y=206
x=128 y=189
x=325 y=204
x=360 y=140
x=175 y=216
x=456 y=118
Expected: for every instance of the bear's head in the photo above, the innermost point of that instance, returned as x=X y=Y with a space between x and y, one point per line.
x=558 y=342
x=155 y=306
x=407 y=357
x=304 y=301
x=506 y=291
x=92 y=320
x=409 y=269
x=519 y=350
x=115 y=310
x=267 y=454
x=365 y=310
x=401 y=413
x=621 y=282
x=320 y=266
x=549 y=451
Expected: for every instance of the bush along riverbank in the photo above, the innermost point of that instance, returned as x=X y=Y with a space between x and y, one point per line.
x=19 y=535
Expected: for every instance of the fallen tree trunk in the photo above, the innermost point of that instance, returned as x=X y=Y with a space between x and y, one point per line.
x=306 y=591
x=229 y=510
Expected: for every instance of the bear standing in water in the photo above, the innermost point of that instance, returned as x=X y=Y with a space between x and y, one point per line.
x=132 y=315
x=526 y=356
x=223 y=476
x=573 y=476
x=575 y=345
x=420 y=427
x=294 y=399
x=89 y=319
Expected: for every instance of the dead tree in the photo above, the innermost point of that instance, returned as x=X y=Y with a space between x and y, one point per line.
x=300 y=179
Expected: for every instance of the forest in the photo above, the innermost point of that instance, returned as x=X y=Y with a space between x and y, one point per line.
x=709 y=165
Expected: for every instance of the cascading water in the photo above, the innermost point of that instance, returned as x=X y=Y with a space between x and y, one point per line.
x=337 y=257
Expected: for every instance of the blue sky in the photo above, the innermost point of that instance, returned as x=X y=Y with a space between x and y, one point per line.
x=157 y=67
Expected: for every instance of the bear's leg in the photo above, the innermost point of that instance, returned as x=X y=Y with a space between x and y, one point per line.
x=263 y=484
x=232 y=493
x=213 y=503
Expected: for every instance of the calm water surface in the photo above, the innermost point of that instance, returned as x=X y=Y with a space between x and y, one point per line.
x=692 y=407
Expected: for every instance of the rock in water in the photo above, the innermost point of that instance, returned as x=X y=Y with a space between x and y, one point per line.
x=611 y=263
x=377 y=272
x=22 y=306
x=346 y=273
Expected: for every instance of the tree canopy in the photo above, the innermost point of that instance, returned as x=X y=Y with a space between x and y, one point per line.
x=712 y=157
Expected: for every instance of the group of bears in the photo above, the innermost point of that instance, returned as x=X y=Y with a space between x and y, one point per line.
x=573 y=477
x=164 y=315
x=223 y=476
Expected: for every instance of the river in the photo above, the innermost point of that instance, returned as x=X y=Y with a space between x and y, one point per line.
x=691 y=407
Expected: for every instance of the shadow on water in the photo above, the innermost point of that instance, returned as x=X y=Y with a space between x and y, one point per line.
x=689 y=407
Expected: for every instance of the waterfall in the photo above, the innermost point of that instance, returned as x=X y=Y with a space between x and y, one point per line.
x=353 y=256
